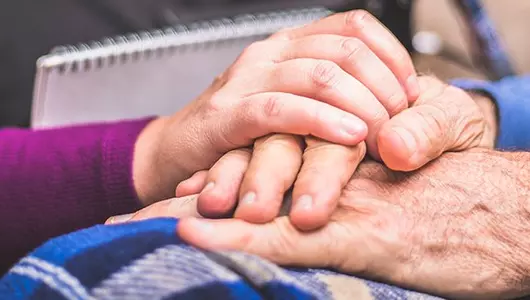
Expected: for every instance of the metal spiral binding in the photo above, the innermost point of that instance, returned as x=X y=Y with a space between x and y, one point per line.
x=155 y=43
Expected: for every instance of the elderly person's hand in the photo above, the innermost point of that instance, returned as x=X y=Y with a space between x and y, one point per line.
x=456 y=228
x=322 y=80
x=444 y=118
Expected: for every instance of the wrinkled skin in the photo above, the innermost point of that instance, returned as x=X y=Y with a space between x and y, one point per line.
x=457 y=228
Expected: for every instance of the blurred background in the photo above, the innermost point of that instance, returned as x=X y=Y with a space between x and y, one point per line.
x=510 y=18
x=436 y=32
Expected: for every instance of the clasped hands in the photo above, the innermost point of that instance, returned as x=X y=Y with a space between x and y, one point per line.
x=312 y=102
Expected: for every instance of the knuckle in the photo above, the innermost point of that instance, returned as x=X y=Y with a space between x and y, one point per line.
x=435 y=129
x=325 y=74
x=241 y=155
x=357 y=18
x=216 y=103
x=258 y=55
x=259 y=111
x=272 y=106
x=402 y=59
x=245 y=113
x=280 y=142
x=435 y=119
x=311 y=170
x=253 y=50
x=351 y=48
x=396 y=103
x=246 y=107
x=282 y=35
x=401 y=55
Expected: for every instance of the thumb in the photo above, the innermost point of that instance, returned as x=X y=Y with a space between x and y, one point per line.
x=277 y=241
x=444 y=118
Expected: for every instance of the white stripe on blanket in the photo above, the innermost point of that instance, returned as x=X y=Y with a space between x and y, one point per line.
x=55 y=277
x=166 y=271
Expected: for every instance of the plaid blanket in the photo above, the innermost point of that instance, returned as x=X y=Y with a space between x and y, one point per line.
x=147 y=260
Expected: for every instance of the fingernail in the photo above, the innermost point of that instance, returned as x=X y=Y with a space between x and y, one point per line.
x=201 y=225
x=408 y=140
x=121 y=218
x=413 y=87
x=305 y=202
x=209 y=186
x=352 y=126
x=248 y=199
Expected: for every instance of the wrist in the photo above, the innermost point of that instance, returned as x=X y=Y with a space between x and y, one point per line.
x=490 y=112
x=146 y=170
x=512 y=224
x=487 y=193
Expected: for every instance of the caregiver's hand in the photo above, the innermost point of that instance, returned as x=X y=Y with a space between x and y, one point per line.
x=324 y=80
x=457 y=228
x=444 y=118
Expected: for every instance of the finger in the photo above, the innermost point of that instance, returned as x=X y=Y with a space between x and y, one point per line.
x=219 y=196
x=357 y=59
x=260 y=114
x=174 y=208
x=327 y=82
x=444 y=118
x=364 y=26
x=276 y=160
x=277 y=241
x=326 y=170
x=192 y=185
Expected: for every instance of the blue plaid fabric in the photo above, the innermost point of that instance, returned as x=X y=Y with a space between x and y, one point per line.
x=147 y=260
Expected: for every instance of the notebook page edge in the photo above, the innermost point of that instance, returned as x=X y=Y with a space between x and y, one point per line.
x=234 y=31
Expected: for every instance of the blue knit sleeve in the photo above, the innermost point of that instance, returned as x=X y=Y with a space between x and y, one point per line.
x=512 y=97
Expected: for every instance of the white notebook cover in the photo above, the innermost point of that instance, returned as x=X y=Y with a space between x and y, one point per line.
x=151 y=73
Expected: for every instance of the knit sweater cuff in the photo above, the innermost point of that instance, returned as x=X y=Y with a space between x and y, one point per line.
x=510 y=96
x=117 y=161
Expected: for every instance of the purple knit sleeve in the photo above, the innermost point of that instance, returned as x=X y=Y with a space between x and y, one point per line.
x=59 y=180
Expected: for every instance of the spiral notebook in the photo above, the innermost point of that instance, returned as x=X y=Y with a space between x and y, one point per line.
x=149 y=73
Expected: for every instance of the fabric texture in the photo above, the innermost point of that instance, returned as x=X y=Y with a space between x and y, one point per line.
x=146 y=260
x=512 y=97
x=59 y=180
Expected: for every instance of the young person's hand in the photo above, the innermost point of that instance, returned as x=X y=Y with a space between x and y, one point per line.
x=338 y=79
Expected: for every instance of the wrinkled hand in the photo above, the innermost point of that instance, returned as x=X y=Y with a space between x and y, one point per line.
x=444 y=118
x=323 y=80
x=456 y=228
